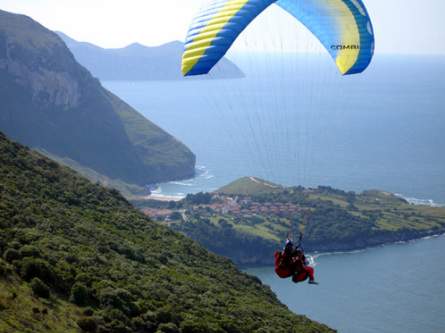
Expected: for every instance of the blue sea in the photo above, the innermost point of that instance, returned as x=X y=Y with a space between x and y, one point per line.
x=295 y=121
x=390 y=289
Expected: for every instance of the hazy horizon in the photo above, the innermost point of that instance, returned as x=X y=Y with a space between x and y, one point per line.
x=401 y=26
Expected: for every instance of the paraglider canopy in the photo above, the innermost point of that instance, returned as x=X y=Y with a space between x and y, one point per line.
x=342 y=26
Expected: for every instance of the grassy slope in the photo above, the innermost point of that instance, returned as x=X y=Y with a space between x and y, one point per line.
x=249 y=186
x=159 y=151
x=21 y=311
x=137 y=276
x=393 y=213
x=127 y=190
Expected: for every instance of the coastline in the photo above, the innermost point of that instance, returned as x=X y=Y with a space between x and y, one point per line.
x=384 y=238
x=260 y=254
x=320 y=254
x=162 y=197
x=317 y=254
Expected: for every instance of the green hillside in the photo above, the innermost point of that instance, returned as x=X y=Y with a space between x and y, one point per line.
x=249 y=186
x=247 y=224
x=75 y=254
x=50 y=102
x=127 y=190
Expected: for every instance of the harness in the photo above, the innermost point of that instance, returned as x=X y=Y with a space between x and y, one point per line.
x=285 y=266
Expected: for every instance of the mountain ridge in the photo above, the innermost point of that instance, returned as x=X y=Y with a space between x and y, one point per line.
x=51 y=102
x=139 y=62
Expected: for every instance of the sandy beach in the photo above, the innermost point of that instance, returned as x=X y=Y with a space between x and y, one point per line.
x=163 y=197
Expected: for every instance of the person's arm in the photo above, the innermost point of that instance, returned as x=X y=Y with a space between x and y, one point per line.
x=300 y=243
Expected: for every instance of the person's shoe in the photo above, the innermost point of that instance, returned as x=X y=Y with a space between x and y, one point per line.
x=313 y=282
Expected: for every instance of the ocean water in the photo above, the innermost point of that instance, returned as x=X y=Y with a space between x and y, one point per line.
x=296 y=121
x=390 y=289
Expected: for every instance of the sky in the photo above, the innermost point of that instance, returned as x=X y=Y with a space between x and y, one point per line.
x=401 y=26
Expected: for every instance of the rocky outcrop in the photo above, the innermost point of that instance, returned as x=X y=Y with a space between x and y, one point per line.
x=49 y=101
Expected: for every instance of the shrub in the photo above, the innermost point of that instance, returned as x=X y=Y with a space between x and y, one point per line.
x=64 y=275
x=117 y=326
x=39 y=288
x=11 y=255
x=79 y=294
x=116 y=298
x=163 y=258
x=138 y=324
x=164 y=315
x=88 y=312
x=87 y=324
x=128 y=252
x=168 y=328
x=195 y=326
x=29 y=251
x=71 y=259
x=31 y=268
x=86 y=279
x=2 y=246
x=5 y=270
x=15 y=245
x=150 y=321
x=110 y=315
x=3 y=305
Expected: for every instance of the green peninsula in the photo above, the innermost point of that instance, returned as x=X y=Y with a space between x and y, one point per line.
x=248 y=219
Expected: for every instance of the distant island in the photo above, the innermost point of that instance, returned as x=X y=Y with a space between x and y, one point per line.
x=249 y=219
x=50 y=102
x=138 y=62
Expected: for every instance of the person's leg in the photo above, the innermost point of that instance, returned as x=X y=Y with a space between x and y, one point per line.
x=310 y=272
x=300 y=277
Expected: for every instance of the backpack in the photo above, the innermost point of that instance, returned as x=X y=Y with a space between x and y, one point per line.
x=281 y=267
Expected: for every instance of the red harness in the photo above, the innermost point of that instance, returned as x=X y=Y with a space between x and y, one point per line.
x=282 y=265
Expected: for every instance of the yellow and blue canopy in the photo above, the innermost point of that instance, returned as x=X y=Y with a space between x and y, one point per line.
x=342 y=26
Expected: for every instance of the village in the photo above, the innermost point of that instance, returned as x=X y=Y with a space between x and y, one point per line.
x=239 y=207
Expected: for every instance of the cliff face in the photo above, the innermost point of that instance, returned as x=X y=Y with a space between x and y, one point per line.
x=51 y=102
x=139 y=62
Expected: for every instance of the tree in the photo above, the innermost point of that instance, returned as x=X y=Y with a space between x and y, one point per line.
x=39 y=288
x=79 y=294
x=87 y=324
x=11 y=255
